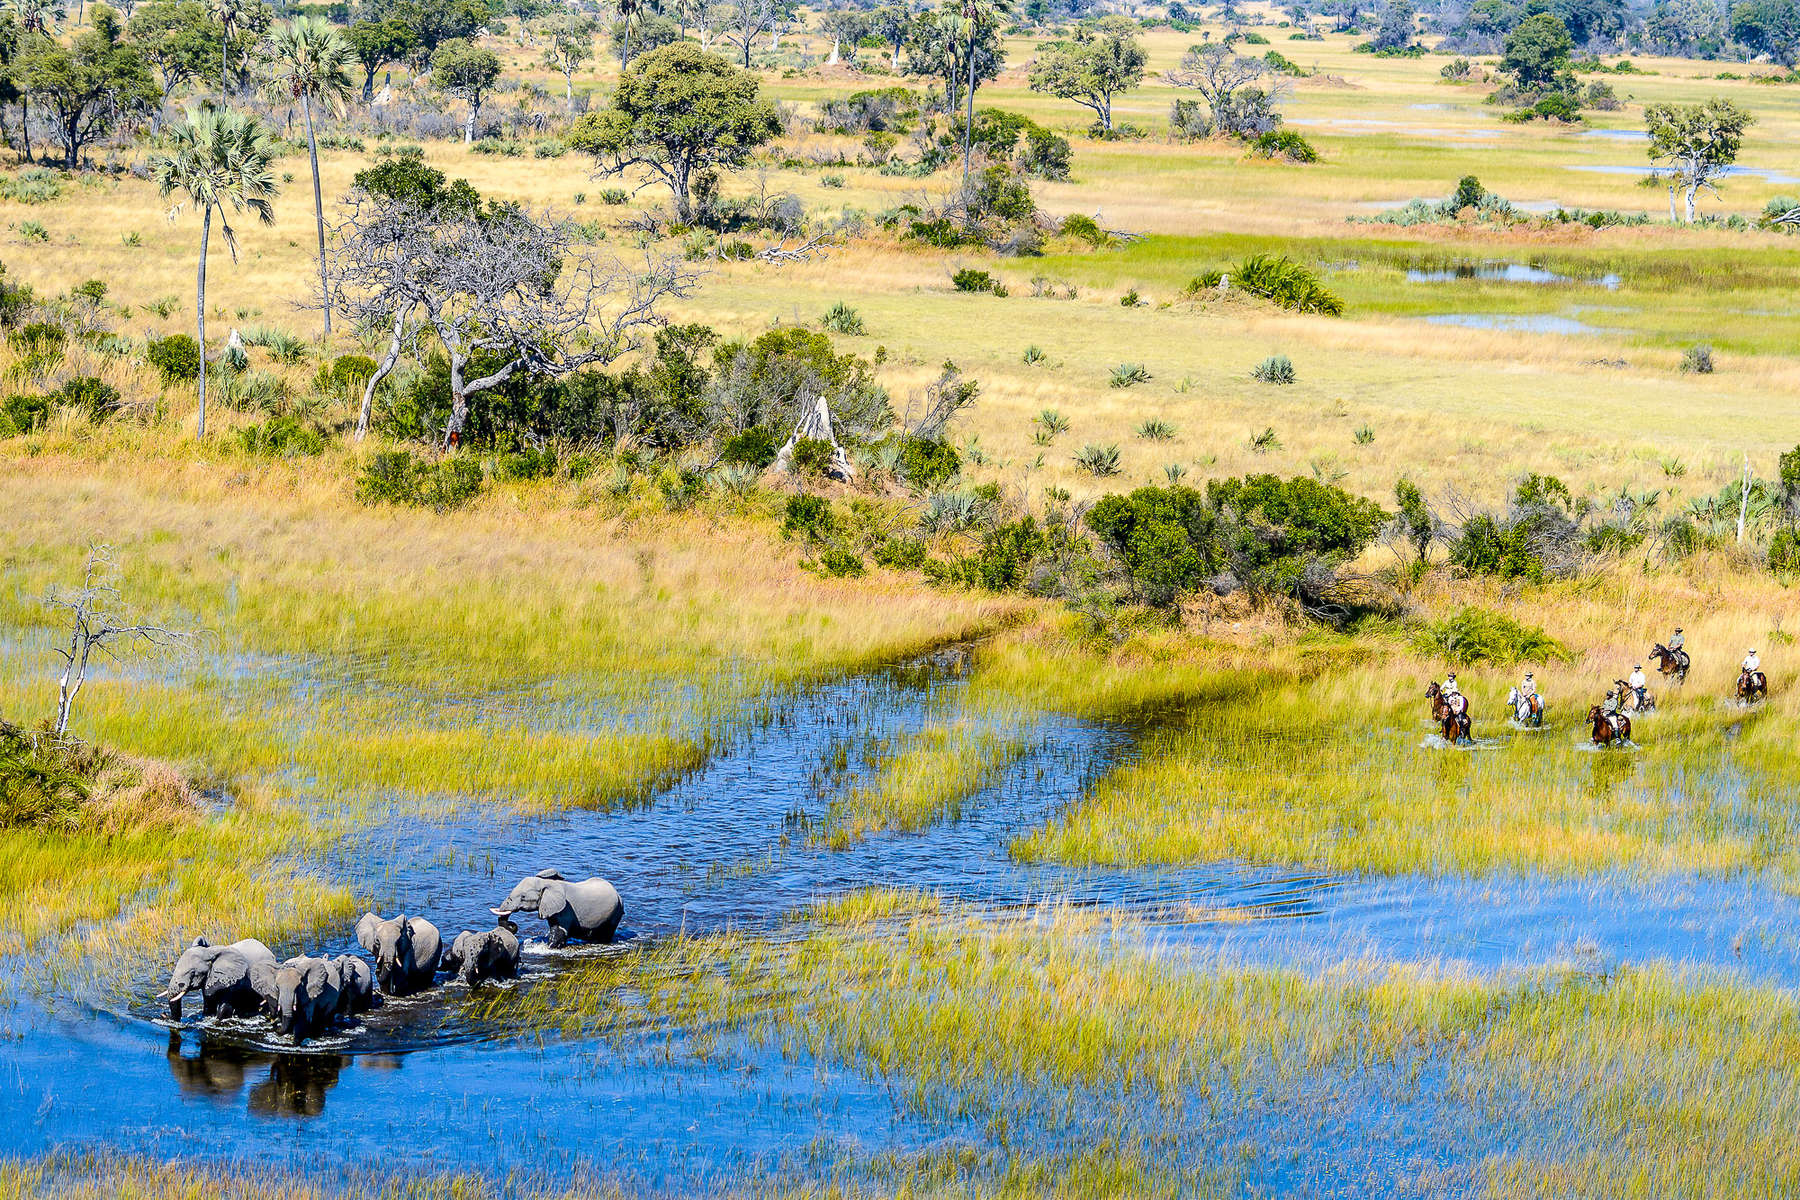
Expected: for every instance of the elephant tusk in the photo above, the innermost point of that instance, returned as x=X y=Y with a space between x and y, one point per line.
x=500 y=912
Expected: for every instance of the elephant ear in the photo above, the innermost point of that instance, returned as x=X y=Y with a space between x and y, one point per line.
x=549 y=873
x=262 y=979
x=200 y=943
x=365 y=931
x=552 y=902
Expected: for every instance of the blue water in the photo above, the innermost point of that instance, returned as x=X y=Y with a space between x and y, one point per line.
x=731 y=847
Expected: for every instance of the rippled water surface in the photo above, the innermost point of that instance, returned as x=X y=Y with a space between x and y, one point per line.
x=729 y=847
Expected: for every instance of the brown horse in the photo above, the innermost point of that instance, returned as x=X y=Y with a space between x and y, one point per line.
x=1752 y=686
x=1673 y=663
x=1604 y=733
x=1633 y=702
x=1451 y=719
x=1457 y=729
x=1440 y=705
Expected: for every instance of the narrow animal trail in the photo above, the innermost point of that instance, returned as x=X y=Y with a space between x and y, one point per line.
x=728 y=848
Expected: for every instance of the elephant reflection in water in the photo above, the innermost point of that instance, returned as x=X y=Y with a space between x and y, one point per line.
x=294 y=1084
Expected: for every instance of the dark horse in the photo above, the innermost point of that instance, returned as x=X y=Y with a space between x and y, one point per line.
x=1451 y=720
x=1604 y=733
x=1752 y=686
x=1673 y=663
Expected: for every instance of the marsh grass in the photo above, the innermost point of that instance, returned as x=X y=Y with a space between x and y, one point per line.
x=925 y=777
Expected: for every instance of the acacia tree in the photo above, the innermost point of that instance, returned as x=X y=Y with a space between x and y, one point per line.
x=571 y=45
x=1231 y=85
x=310 y=61
x=378 y=43
x=221 y=161
x=176 y=41
x=1697 y=142
x=428 y=259
x=677 y=111
x=88 y=88
x=468 y=72
x=1103 y=60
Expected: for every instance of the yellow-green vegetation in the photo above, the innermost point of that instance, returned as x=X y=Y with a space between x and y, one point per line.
x=924 y=779
x=1652 y=1077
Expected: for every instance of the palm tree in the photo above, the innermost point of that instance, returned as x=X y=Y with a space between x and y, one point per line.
x=629 y=11
x=230 y=14
x=310 y=60
x=221 y=160
x=978 y=17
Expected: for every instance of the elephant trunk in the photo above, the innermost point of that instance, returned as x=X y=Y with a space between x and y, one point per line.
x=173 y=995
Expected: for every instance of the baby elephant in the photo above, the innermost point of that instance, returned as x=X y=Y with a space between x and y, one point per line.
x=222 y=975
x=406 y=950
x=588 y=911
x=356 y=985
x=473 y=957
x=301 y=994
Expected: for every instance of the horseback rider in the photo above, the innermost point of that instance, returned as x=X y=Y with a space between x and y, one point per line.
x=1528 y=689
x=1676 y=642
x=1752 y=664
x=1453 y=695
x=1637 y=683
x=1610 y=709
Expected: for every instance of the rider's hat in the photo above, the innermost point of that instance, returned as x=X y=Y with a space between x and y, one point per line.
x=1528 y=674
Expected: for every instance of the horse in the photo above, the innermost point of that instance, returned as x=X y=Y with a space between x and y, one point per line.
x=1632 y=702
x=1457 y=728
x=1604 y=732
x=1527 y=710
x=1440 y=706
x=1673 y=663
x=1752 y=686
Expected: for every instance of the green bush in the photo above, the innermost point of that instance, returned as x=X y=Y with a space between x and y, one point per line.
x=282 y=437
x=529 y=463
x=176 y=357
x=43 y=782
x=812 y=456
x=971 y=280
x=1097 y=460
x=1003 y=562
x=1284 y=143
x=93 y=396
x=926 y=464
x=1784 y=552
x=1488 y=546
x=807 y=515
x=899 y=553
x=23 y=414
x=1697 y=360
x=841 y=563
x=841 y=318
x=1084 y=228
x=1128 y=375
x=1476 y=635
x=396 y=477
x=752 y=448
x=1277 y=368
x=1287 y=284
x=349 y=372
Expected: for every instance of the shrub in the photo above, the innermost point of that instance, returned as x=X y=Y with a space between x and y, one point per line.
x=1130 y=299
x=1476 y=635
x=349 y=372
x=1286 y=283
x=1084 y=228
x=1489 y=546
x=93 y=396
x=1363 y=436
x=43 y=782
x=1277 y=368
x=1262 y=443
x=841 y=563
x=971 y=280
x=396 y=477
x=752 y=448
x=176 y=358
x=927 y=464
x=681 y=489
x=40 y=344
x=1033 y=355
x=808 y=515
x=899 y=553
x=1284 y=143
x=1047 y=155
x=843 y=319
x=1003 y=562
x=812 y=456
x=23 y=414
x=529 y=463
x=1098 y=461
x=1128 y=375
x=1784 y=552
x=281 y=437
x=1698 y=360
x=1155 y=430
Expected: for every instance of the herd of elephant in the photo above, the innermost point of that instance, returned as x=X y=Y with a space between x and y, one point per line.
x=306 y=995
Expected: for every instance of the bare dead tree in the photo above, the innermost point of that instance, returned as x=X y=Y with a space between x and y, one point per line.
x=97 y=627
x=747 y=21
x=781 y=252
x=497 y=281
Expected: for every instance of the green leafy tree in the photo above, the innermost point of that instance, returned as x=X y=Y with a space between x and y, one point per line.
x=1103 y=60
x=1770 y=27
x=88 y=88
x=176 y=39
x=571 y=45
x=468 y=72
x=1537 y=52
x=378 y=43
x=1414 y=517
x=679 y=110
x=1396 y=29
x=235 y=18
x=1697 y=142
x=310 y=61
x=222 y=162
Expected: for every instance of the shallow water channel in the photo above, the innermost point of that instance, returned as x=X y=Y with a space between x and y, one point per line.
x=421 y=1087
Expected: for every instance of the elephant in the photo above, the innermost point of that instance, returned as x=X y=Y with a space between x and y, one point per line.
x=473 y=957
x=356 y=985
x=301 y=994
x=588 y=911
x=406 y=950
x=222 y=973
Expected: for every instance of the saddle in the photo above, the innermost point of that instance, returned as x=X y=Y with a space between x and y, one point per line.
x=1458 y=703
